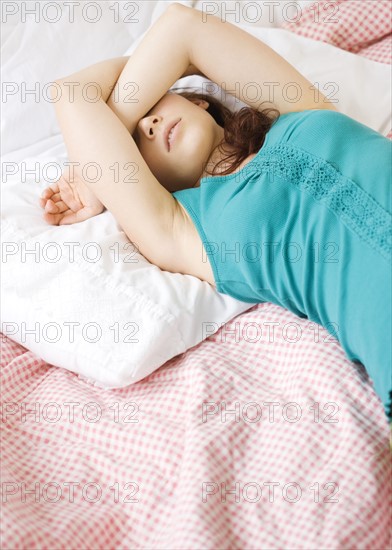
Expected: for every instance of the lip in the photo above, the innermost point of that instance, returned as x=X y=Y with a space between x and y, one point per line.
x=167 y=132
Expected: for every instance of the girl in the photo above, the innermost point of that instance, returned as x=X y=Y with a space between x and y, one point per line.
x=299 y=215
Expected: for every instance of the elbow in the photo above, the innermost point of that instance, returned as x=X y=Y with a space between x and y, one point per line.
x=177 y=10
x=176 y=7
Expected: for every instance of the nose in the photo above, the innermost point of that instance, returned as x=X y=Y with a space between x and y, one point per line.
x=150 y=124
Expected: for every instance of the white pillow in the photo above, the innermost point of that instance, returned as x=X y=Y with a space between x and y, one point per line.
x=42 y=41
x=131 y=317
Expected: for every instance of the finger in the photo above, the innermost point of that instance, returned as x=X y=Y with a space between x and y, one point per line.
x=55 y=207
x=63 y=218
x=71 y=217
x=69 y=194
x=55 y=187
x=48 y=192
x=51 y=207
x=56 y=197
x=69 y=198
x=61 y=206
x=53 y=219
x=75 y=217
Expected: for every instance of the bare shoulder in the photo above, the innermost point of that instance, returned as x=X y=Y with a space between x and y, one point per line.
x=190 y=257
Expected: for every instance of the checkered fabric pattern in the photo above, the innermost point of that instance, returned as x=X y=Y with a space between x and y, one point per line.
x=358 y=26
x=262 y=436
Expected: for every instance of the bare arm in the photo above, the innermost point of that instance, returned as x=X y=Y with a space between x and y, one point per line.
x=220 y=51
x=107 y=160
x=233 y=58
x=106 y=156
x=71 y=199
x=102 y=77
x=97 y=79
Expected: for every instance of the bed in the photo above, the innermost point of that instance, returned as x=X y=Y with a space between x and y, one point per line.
x=257 y=432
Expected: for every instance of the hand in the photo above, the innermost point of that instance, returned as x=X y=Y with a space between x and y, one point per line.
x=66 y=202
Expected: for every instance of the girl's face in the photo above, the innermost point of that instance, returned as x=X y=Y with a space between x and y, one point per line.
x=179 y=164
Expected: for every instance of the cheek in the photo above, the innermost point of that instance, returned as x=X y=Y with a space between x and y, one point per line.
x=196 y=146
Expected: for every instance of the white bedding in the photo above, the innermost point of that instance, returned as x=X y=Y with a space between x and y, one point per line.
x=165 y=313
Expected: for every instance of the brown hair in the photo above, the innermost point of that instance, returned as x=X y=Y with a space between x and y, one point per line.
x=244 y=130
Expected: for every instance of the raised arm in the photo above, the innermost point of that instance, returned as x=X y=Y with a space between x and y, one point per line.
x=104 y=153
x=107 y=163
x=221 y=51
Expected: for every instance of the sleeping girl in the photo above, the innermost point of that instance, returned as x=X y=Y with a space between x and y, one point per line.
x=285 y=201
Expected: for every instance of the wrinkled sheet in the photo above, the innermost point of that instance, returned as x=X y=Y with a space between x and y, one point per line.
x=262 y=436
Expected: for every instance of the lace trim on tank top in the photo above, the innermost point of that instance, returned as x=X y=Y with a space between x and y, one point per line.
x=357 y=209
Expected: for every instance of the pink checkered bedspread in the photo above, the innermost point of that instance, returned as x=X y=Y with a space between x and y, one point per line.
x=262 y=436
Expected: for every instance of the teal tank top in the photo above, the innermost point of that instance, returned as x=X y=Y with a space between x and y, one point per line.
x=306 y=224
